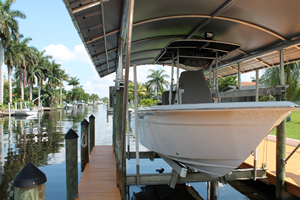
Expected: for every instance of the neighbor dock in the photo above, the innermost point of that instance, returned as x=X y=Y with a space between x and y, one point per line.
x=266 y=153
x=98 y=180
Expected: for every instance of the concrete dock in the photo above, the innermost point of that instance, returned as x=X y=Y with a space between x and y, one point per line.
x=266 y=153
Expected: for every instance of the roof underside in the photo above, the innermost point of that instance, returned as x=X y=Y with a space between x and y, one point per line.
x=260 y=27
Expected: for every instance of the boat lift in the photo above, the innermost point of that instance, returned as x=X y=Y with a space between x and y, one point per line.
x=180 y=172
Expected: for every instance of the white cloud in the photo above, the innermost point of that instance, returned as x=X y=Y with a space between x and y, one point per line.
x=61 y=53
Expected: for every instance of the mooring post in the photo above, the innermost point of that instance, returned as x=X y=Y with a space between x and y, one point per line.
x=213 y=190
x=280 y=142
x=71 y=164
x=118 y=131
x=30 y=183
x=92 y=132
x=84 y=143
x=114 y=118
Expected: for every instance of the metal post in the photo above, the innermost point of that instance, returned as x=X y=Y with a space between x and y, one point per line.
x=136 y=128
x=210 y=70
x=172 y=79
x=9 y=109
x=281 y=67
x=280 y=143
x=217 y=89
x=214 y=79
x=239 y=76
x=257 y=85
x=84 y=143
x=92 y=132
x=16 y=105
x=128 y=139
x=21 y=106
x=178 y=102
x=71 y=164
x=30 y=183
x=256 y=100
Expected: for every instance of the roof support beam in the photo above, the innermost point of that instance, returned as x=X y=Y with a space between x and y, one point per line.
x=218 y=11
x=84 y=7
x=260 y=53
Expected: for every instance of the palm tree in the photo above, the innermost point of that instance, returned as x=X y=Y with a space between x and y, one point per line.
x=12 y=55
x=140 y=90
x=74 y=81
x=271 y=78
x=8 y=28
x=63 y=77
x=157 y=79
x=28 y=60
x=41 y=71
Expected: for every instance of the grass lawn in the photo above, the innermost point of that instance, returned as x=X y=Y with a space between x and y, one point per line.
x=292 y=127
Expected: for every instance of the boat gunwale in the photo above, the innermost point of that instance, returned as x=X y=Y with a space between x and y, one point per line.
x=219 y=106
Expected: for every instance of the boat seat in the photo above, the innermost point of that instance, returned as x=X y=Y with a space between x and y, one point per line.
x=195 y=88
x=165 y=97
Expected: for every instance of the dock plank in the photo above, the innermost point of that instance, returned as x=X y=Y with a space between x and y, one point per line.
x=98 y=180
x=267 y=151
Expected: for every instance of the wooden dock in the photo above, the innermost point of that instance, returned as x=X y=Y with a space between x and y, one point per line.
x=98 y=180
x=267 y=151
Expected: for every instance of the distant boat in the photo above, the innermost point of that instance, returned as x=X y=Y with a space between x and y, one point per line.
x=26 y=112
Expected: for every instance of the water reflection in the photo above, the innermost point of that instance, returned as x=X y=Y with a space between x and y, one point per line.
x=40 y=140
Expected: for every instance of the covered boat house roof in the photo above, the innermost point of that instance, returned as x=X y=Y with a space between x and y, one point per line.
x=261 y=28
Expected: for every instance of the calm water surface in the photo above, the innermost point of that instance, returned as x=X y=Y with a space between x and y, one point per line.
x=40 y=140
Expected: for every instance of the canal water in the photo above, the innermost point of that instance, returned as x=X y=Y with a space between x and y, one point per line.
x=40 y=140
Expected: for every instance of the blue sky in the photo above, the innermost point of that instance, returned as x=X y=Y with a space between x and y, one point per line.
x=50 y=27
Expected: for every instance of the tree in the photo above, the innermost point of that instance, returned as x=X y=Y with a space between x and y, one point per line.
x=271 y=78
x=8 y=28
x=12 y=55
x=227 y=81
x=140 y=89
x=157 y=79
x=63 y=77
x=42 y=70
x=27 y=61
x=74 y=81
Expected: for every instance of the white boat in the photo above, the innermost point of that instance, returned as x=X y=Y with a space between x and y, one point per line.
x=26 y=112
x=212 y=138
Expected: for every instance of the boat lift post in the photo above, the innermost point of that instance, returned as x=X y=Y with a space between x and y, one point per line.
x=122 y=166
x=178 y=91
x=172 y=80
x=239 y=76
x=137 y=156
x=256 y=99
x=210 y=70
x=280 y=141
x=217 y=88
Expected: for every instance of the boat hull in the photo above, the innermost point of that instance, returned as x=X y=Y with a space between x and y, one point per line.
x=213 y=141
x=26 y=112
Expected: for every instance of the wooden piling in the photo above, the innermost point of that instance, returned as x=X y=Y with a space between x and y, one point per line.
x=71 y=165
x=84 y=143
x=213 y=190
x=280 y=156
x=30 y=183
x=121 y=173
x=92 y=132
